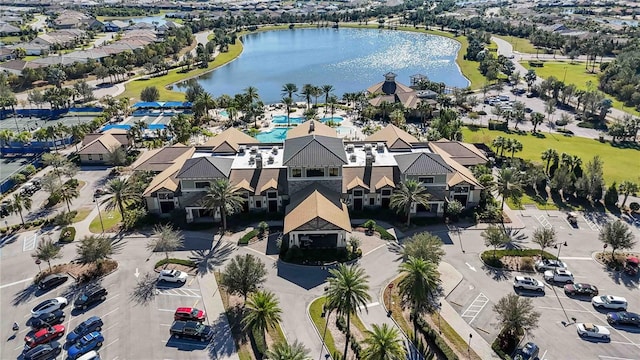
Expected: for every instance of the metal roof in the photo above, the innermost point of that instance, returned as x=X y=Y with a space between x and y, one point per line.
x=314 y=150
x=208 y=167
x=422 y=163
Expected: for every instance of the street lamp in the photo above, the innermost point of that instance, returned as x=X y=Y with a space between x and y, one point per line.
x=439 y=308
x=469 y=346
x=559 y=247
x=99 y=214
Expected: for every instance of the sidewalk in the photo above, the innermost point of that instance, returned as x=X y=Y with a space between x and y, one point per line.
x=222 y=341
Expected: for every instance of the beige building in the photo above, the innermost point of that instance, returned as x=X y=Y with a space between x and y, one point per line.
x=97 y=148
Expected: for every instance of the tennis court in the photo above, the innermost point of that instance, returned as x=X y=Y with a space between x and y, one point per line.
x=26 y=123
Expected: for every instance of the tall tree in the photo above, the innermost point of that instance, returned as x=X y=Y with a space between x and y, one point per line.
x=67 y=193
x=19 y=203
x=410 y=192
x=536 y=119
x=347 y=293
x=119 y=193
x=289 y=89
x=165 y=239
x=288 y=103
x=544 y=238
x=494 y=236
x=47 y=250
x=282 y=350
x=628 y=188
x=244 y=275
x=262 y=312
x=223 y=197
x=419 y=287
x=307 y=92
x=326 y=89
x=516 y=315
x=425 y=246
x=617 y=235
x=383 y=343
x=509 y=184
x=548 y=156
x=94 y=250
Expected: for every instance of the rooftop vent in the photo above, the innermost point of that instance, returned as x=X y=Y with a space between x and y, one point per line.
x=270 y=159
x=252 y=160
x=353 y=158
x=349 y=148
x=312 y=126
x=369 y=159
x=380 y=147
x=241 y=149
x=367 y=147
x=254 y=150
x=274 y=150
x=258 y=160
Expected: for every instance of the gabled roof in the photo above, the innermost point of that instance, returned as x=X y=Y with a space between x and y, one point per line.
x=356 y=182
x=103 y=144
x=461 y=173
x=304 y=129
x=160 y=159
x=207 y=167
x=271 y=184
x=229 y=141
x=422 y=163
x=465 y=154
x=314 y=150
x=166 y=179
x=385 y=181
x=394 y=137
x=374 y=177
x=244 y=184
x=316 y=202
x=260 y=180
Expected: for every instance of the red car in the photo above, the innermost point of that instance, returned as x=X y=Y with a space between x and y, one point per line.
x=43 y=336
x=189 y=314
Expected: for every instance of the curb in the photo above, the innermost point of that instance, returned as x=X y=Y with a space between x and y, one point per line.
x=324 y=345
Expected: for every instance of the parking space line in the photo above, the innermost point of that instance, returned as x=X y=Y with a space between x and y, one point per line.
x=180 y=292
x=470 y=313
x=613 y=357
x=560 y=309
x=616 y=330
x=29 y=243
x=167 y=310
x=111 y=312
x=592 y=225
x=15 y=283
x=110 y=327
x=191 y=281
x=169 y=325
x=543 y=355
x=544 y=221
x=111 y=343
x=196 y=303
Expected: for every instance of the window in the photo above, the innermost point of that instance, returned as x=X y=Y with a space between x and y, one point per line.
x=101 y=157
x=357 y=193
x=272 y=194
x=334 y=171
x=258 y=203
x=372 y=201
x=386 y=192
x=89 y=157
x=202 y=184
x=165 y=196
x=461 y=189
x=426 y=180
x=315 y=172
x=296 y=172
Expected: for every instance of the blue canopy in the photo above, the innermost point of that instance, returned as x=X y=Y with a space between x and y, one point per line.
x=172 y=104
x=187 y=104
x=151 y=104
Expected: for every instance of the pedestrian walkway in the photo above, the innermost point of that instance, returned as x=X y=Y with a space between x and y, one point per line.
x=224 y=345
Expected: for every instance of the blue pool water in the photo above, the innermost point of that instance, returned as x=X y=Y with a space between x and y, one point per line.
x=275 y=135
x=224 y=113
x=336 y=119
x=128 y=126
x=282 y=119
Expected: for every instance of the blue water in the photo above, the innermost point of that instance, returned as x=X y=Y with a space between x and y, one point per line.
x=224 y=113
x=128 y=126
x=271 y=136
x=282 y=119
x=349 y=59
x=160 y=20
x=335 y=119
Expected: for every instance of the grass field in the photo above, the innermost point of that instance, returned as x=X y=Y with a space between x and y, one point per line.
x=110 y=219
x=315 y=310
x=8 y=40
x=133 y=88
x=82 y=214
x=575 y=74
x=619 y=163
x=519 y=44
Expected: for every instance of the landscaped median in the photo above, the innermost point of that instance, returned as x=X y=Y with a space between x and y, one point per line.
x=514 y=259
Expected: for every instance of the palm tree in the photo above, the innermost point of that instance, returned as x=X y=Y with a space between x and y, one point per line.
x=549 y=155
x=514 y=146
x=418 y=286
x=536 y=119
x=288 y=103
x=68 y=193
x=5 y=136
x=628 y=188
x=78 y=132
x=165 y=239
x=223 y=197
x=499 y=143
x=545 y=238
x=262 y=312
x=251 y=93
x=347 y=293
x=494 y=236
x=19 y=203
x=282 y=350
x=383 y=343
x=508 y=184
x=516 y=314
x=289 y=89
x=410 y=192
x=307 y=92
x=119 y=194
x=47 y=251
x=326 y=89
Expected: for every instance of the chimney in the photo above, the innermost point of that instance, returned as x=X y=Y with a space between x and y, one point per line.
x=312 y=126
x=259 y=161
x=369 y=159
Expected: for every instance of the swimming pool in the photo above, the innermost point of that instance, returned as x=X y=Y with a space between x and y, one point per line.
x=128 y=126
x=275 y=135
x=282 y=119
x=224 y=113
x=335 y=119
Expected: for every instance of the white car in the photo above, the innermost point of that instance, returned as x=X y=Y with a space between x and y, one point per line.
x=592 y=330
x=48 y=306
x=609 y=302
x=546 y=264
x=173 y=276
x=528 y=283
x=559 y=276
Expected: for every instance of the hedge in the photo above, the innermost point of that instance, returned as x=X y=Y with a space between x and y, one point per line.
x=67 y=235
x=184 y=262
x=384 y=234
x=495 y=345
x=434 y=337
x=487 y=256
x=244 y=240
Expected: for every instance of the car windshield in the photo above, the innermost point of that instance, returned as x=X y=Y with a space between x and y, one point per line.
x=84 y=298
x=195 y=312
x=86 y=339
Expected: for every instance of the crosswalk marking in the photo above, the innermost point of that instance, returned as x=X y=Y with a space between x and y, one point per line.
x=476 y=307
x=29 y=242
x=179 y=292
x=544 y=221
x=592 y=225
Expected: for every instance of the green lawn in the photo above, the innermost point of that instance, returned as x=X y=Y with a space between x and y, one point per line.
x=315 y=310
x=575 y=74
x=618 y=162
x=133 y=89
x=528 y=200
x=8 y=40
x=82 y=214
x=519 y=44
x=109 y=219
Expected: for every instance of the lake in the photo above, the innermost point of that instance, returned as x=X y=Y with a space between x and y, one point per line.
x=349 y=59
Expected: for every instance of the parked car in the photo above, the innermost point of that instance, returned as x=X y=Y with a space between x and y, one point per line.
x=609 y=302
x=546 y=264
x=90 y=296
x=528 y=283
x=5 y=209
x=43 y=336
x=92 y=324
x=189 y=314
x=48 y=319
x=49 y=306
x=52 y=281
x=580 y=289
x=87 y=343
x=91 y=355
x=44 y=351
x=623 y=318
x=192 y=330
x=173 y=276
x=592 y=330
x=559 y=276
x=529 y=351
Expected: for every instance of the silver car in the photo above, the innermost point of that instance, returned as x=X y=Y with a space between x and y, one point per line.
x=546 y=264
x=528 y=283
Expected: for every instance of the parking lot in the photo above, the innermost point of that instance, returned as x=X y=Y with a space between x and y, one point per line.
x=556 y=334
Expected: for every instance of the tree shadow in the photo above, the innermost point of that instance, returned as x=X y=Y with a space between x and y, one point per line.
x=307 y=277
x=272 y=243
x=25 y=295
x=9 y=239
x=496 y=274
x=222 y=344
x=516 y=238
x=207 y=260
x=145 y=290
x=621 y=278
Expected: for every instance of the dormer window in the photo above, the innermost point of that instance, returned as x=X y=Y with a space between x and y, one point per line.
x=315 y=172
x=426 y=179
x=296 y=172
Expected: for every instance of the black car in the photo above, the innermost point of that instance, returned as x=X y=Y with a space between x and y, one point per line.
x=44 y=351
x=623 y=318
x=48 y=319
x=581 y=289
x=92 y=324
x=90 y=296
x=52 y=281
x=5 y=209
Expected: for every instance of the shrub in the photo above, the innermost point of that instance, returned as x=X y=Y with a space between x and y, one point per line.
x=526 y=264
x=341 y=323
x=244 y=240
x=28 y=170
x=53 y=199
x=18 y=178
x=134 y=218
x=293 y=253
x=67 y=235
x=263 y=227
x=384 y=234
x=64 y=218
x=184 y=262
x=433 y=335
x=634 y=206
x=73 y=183
x=498 y=125
x=369 y=224
x=482 y=112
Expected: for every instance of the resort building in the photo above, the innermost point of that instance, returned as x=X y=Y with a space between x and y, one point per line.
x=97 y=148
x=313 y=176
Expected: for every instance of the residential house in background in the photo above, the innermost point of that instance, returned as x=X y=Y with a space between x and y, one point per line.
x=97 y=148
